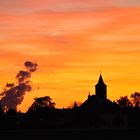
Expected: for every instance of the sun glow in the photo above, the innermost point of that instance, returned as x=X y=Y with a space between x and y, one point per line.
x=71 y=42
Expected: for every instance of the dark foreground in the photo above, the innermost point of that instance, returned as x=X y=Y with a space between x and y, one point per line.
x=72 y=134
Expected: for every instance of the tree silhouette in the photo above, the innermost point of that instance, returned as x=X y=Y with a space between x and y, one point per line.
x=42 y=103
x=14 y=93
x=136 y=99
x=124 y=102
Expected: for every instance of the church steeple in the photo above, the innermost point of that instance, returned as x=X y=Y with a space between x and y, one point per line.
x=101 y=81
x=100 y=89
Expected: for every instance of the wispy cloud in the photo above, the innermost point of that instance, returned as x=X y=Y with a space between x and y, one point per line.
x=26 y=6
x=71 y=40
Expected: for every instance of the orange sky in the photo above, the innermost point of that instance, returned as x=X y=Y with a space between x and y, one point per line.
x=72 y=41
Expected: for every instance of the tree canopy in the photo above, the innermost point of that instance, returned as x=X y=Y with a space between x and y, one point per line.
x=133 y=101
x=42 y=103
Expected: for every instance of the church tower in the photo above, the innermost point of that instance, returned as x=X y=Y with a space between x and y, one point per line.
x=101 y=89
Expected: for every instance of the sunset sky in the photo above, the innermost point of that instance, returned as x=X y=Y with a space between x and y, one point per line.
x=72 y=41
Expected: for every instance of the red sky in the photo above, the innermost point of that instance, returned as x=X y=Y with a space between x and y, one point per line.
x=72 y=41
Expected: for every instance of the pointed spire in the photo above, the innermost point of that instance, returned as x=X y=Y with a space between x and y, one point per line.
x=101 y=81
x=89 y=95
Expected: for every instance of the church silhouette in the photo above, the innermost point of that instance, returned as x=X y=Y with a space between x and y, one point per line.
x=98 y=101
x=98 y=111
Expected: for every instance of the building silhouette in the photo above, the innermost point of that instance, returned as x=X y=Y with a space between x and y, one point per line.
x=99 y=99
x=98 y=111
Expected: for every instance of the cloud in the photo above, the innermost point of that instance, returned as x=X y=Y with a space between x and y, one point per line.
x=27 y=6
x=129 y=3
x=66 y=37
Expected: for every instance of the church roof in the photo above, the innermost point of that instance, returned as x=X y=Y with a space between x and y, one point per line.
x=95 y=104
x=100 y=81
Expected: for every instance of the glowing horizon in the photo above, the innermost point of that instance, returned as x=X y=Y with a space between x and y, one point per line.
x=71 y=41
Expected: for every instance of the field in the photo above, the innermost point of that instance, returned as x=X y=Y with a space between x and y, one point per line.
x=72 y=134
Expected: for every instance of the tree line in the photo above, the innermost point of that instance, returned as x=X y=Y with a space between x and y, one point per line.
x=42 y=114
